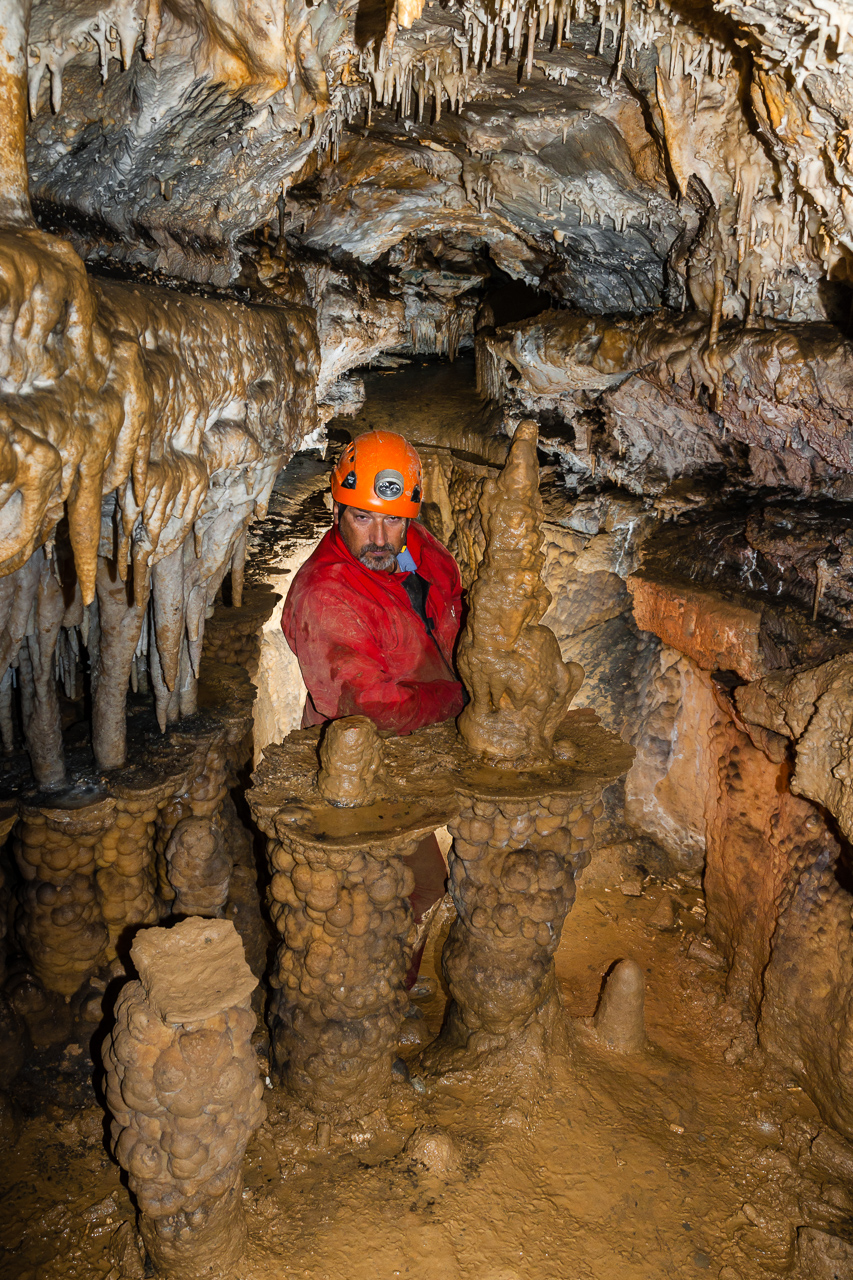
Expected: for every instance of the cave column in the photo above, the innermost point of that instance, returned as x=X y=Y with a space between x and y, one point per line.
x=340 y=900
x=347 y=932
x=61 y=921
x=126 y=877
x=185 y=1094
x=201 y=799
x=512 y=870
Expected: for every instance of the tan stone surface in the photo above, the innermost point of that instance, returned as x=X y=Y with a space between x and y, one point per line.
x=666 y=788
x=519 y=686
x=815 y=709
x=193 y=970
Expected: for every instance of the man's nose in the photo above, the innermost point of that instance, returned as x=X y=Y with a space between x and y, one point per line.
x=377 y=530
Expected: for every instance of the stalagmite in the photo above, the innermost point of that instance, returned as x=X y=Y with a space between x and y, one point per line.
x=526 y=818
x=520 y=688
x=198 y=868
x=619 y=1021
x=184 y=1094
x=63 y=924
x=340 y=893
x=512 y=871
x=350 y=763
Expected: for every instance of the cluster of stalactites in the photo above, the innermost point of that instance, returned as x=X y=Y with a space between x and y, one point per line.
x=496 y=31
x=140 y=434
x=804 y=37
x=408 y=75
x=431 y=337
x=113 y=31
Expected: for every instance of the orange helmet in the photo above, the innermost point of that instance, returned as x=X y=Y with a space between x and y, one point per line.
x=379 y=471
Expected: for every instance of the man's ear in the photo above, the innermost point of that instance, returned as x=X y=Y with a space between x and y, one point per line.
x=336 y=512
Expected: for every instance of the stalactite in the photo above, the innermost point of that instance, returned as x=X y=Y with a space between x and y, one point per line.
x=42 y=725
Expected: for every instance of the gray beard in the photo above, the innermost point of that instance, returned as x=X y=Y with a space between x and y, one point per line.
x=387 y=563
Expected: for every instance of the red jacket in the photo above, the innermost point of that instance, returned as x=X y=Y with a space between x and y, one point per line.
x=361 y=646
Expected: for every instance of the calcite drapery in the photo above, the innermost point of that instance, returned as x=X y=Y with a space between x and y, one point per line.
x=185 y=1095
x=126 y=415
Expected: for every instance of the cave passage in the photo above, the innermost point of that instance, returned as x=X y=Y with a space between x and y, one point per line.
x=594 y=261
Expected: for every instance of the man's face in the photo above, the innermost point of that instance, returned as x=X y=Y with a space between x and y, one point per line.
x=373 y=538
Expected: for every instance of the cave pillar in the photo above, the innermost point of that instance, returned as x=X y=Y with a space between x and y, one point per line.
x=512 y=872
x=61 y=921
x=126 y=876
x=532 y=778
x=347 y=932
x=185 y=1095
x=200 y=798
x=337 y=839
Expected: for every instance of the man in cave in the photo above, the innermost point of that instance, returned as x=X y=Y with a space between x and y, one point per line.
x=374 y=613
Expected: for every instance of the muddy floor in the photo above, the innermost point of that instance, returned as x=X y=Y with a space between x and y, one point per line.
x=675 y=1163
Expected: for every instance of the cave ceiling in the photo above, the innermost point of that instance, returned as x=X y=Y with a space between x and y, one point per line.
x=618 y=157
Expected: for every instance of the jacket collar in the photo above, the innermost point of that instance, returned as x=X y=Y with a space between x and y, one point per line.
x=415 y=544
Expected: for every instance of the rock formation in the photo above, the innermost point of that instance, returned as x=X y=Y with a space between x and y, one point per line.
x=519 y=686
x=339 y=899
x=638 y=217
x=184 y=1093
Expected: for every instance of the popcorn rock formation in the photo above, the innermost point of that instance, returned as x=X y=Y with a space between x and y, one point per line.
x=512 y=869
x=528 y=798
x=339 y=899
x=350 y=762
x=185 y=1095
